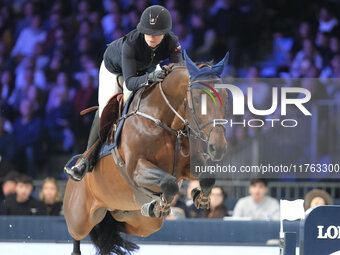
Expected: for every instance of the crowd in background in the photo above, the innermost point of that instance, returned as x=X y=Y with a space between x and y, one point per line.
x=17 y=198
x=50 y=53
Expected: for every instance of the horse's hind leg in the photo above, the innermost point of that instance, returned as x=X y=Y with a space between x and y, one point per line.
x=150 y=176
x=136 y=223
x=76 y=247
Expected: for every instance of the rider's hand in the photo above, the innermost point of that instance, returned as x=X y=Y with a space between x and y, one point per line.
x=156 y=76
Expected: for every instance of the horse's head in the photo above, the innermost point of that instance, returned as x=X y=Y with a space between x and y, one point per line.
x=205 y=104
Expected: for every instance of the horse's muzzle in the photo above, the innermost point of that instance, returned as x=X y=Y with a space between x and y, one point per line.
x=216 y=152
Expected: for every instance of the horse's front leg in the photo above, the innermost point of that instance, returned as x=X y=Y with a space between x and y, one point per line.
x=150 y=176
x=207 y=181
x=201 y=197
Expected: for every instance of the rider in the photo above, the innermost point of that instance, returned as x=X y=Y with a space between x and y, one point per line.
x=136 y=56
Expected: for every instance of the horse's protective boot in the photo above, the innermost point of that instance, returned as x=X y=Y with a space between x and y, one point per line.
x=88 y=159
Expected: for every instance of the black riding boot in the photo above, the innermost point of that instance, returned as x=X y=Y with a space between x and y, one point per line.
x=89 y=158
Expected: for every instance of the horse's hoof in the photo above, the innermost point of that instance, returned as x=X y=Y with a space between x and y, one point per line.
x=147 y=209
x=200 y=201
x=155 y=209
x=161 y=210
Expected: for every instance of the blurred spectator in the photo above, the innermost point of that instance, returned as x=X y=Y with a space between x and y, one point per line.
x=20 y=92
x=140 y=5
x=217 y=204
x=25 y=21
x=184 y=37
x=51 y=197
x=22 y=203
x=27 y=130
x=35 y=95
x=63 y=83
x=88 y=66
x=57 y=121
x=9 y=184
x=85 y=97
x=305 y=58
x=111 y=20
x=317 y=197
x=132 y=20
x=53 y=23
x=322 y=45
x=29 y=64
x=7 y=86
x=85 y=94
x=83 y=10
x=203 y=39
x=332 y=70
x=304 y=32
x=327 y=20
x=6 y=28
x=117 y=33
x=97 y=32
x=334 y=45
x=57 y=42
x=282 y=47
x=28 y=37
x=84 y=49
x=225 y=17
x=57 y=64
x=257 y=206
x=41 y=59
x=7 y=147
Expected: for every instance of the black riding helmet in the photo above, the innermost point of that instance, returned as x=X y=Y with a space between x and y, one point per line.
x=155 y=20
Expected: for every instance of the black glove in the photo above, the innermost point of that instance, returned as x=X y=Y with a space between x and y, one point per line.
x=156 y=76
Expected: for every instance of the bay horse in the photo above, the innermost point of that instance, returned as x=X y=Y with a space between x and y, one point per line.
x=154 y=148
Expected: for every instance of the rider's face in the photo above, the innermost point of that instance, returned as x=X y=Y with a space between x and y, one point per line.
x=153 y=40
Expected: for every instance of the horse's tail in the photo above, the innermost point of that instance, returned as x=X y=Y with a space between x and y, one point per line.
x=106 y=236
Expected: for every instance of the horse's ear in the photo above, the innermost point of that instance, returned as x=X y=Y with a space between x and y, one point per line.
x=218 y=68
x=191 y=66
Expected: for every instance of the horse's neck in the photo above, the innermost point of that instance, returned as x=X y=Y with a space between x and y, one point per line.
x=175 y=90
x=174 y=86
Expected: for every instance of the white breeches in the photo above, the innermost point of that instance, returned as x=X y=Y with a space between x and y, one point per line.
x=108 y=86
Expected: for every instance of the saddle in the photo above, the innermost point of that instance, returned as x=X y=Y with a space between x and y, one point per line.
x=111 y=113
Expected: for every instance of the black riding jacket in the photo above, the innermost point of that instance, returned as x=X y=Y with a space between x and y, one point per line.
x=132 y=57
